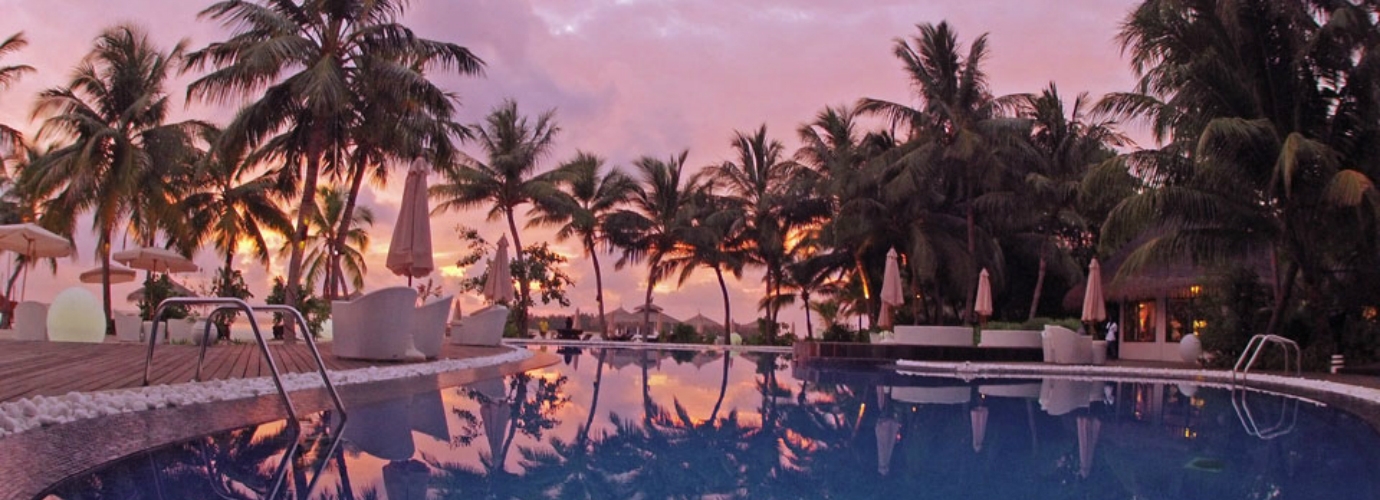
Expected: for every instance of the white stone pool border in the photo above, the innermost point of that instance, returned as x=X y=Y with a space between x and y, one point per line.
x=39 y=411
x=1218 y=378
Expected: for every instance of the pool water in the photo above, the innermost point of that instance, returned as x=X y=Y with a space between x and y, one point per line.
x=621 y=423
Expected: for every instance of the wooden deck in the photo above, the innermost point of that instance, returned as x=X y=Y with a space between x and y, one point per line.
x=54 y=368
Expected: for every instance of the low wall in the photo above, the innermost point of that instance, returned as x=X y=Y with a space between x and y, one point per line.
x=954 y=336
x=1010 y=338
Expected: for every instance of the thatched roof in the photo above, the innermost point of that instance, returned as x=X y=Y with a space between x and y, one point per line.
x=1173 y=279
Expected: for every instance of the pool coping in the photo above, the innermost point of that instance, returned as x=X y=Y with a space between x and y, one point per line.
x=33 y=461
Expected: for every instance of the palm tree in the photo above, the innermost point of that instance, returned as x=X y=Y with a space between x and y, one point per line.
x=308 y=63
x=716 y=239
x=1269 y=135
x=757 y=185
x=233 y=204
x=956 y=134
x=1069 y=145
x=112 y=112
x=10 y=139
x=320 y=240
x=592 y=197
x=506 y=178
x=660 y=216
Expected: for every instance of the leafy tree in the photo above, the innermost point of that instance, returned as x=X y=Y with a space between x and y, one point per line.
x=11 y=140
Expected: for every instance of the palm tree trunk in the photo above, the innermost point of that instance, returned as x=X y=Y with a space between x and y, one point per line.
x=809 y=327
x=598 y=289
x=867 y=287
x=1282 y=293
x=728 y=318
x=104 y=246
x=1039 y=288
x=337 y=243
x=647 y=304
x=524 y=287
x=299 y=235
x=723 y=388
x=594 y=400
x=972 y=253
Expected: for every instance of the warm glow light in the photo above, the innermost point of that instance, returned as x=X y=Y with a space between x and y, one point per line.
x=1194 y=290
x=452 y=272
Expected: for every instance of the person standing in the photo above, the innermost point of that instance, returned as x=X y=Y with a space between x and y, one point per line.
x=1112 y=352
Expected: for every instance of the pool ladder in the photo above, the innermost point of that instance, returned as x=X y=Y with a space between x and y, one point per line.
x=1257 y=344
x=234 y=304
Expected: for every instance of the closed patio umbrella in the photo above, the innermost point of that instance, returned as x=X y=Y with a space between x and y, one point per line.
x=1088 y=429
x=979 y=419
x=983 y=305
x=499 y=285
x=118 y=274
x=892 y=297
x=1094 y=305
x=34 y=242
x=887 y=434
x=409 y=252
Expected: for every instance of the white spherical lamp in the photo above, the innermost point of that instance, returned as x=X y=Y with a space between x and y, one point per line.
x=1190 y=348
x=76 y=316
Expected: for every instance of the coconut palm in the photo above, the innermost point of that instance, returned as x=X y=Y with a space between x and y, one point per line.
x=10 y=139
x=592 y=197
x=506 y=178
x=319 y=243
x=1272 y=130
x=111 y=115
x=956 y=136
x=1044 y=204
x=716 y=239
x=307 y=64
x=235 y=203
x=660 y=216
x=757 y=184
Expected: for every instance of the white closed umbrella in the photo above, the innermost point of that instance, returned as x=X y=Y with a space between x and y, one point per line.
x=979 y=420
x=888 y=430
x=409 y=252
x=983 y=305
x=34 y=242
x=499 y=285
x=1094 y=305
x=892 y=297
x=1088 y=430
x=118 y=274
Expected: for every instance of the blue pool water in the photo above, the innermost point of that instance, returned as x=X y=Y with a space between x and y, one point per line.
x=684 y=424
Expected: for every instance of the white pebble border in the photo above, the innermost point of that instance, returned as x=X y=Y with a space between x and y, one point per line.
x=630 y=344
x=38 y=411
x=1211 y=378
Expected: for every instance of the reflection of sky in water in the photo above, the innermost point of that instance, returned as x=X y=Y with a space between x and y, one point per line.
x=856 y=435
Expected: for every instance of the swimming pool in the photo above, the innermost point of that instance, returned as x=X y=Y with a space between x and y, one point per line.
x=621 y=423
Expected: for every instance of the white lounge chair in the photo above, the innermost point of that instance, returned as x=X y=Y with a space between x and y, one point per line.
x=429 y=326
x=484 y=327
x=128 y=327
x=1066 y=347
x=376 y=326
x=30 y=321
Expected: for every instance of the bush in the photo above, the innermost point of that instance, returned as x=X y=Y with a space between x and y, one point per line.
x=839 y=333
x=683 y=334
x=1035 y=324
x=1236 y=307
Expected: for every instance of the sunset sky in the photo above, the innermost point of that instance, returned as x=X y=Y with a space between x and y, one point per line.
x=627 y=78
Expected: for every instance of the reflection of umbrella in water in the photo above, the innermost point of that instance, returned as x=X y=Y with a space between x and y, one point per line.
x=34 y=242
x=1088 y=429
x=118 y=274
x=406 y=480
x=496 y=415
x=888 y=430
x=979 y=418
x=499 y=285
x=892 y=297
x=409 y=252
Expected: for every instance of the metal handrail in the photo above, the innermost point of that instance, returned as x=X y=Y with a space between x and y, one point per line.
x=1257 y=344
x=235 y=304
x=1288 y=416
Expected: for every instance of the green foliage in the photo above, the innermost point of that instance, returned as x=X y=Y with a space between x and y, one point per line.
x=156 y=289
x=1035 y=324
x=683 y=334
x=231 y=285
x=1235 y=308
x=314 y=309
x=840 y=333
x=541 y=265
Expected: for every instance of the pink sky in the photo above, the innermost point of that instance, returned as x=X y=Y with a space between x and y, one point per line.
x=627 y=78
